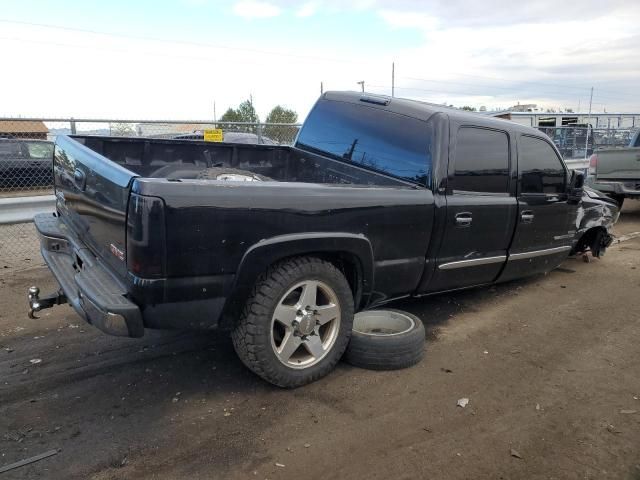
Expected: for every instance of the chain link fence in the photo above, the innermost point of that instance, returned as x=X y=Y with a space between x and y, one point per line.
x=26 y=145
x=581 y=142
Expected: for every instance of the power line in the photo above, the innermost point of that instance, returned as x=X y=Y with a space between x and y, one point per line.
x=180 y=42
x=617 y=96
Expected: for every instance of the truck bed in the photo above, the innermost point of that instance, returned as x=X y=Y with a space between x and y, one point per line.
x=187 y=159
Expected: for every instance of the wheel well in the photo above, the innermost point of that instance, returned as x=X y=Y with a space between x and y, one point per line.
x=348 y=263
x=350 y=267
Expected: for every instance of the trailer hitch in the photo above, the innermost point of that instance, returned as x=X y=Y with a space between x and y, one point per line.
x=37 y=303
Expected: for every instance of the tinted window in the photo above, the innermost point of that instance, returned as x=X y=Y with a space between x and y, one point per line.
x=539 y=166
x=481 y=161
x=370 y=137
x=11 y=148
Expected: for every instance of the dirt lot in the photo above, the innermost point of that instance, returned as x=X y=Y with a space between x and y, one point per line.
x=551 y=366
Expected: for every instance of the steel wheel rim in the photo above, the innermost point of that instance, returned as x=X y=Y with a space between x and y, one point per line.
x=381 y=323
x=305 y=324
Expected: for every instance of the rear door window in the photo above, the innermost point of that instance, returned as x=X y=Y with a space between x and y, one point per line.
x=540 y=170
x=370 y=137
x=481 y=161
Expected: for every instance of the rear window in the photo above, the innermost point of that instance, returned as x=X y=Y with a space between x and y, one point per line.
x=481 y=161
x=373 y=138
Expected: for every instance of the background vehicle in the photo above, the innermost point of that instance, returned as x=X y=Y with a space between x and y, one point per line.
x=616 y=171
x=379 y=199
x=25 y=162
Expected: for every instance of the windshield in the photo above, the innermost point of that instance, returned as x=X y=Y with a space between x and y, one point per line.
x=370 y=137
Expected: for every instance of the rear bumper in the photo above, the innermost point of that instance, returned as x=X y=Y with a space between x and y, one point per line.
x=94 y=293
x=628 y=189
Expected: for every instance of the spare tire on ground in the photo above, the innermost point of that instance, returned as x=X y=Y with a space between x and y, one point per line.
x=385 y=340
x=231 y=174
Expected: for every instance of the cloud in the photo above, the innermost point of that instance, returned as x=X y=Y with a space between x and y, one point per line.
x=256 y=9
x=307 y=10
x=417 y=20
x=545 y=53
x=477 y=13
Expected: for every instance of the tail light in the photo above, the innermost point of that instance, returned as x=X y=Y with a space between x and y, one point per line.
x=146 y=239
x=593 y=164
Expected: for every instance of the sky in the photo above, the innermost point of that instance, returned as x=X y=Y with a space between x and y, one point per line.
x=174 y=59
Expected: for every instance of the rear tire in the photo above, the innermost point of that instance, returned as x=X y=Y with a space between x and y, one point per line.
x=296 y=323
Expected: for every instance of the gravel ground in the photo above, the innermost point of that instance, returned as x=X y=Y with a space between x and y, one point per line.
x=550 y=365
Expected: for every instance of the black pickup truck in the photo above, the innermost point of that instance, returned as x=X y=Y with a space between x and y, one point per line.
x=378 y=199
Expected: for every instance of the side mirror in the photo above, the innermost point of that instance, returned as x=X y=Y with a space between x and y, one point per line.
x=576 y=187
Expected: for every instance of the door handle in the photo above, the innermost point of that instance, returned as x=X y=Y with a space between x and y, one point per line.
x=527 y=216
x=79 y=179
x=464 y=219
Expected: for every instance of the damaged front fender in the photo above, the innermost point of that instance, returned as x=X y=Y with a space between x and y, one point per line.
x=595 y=218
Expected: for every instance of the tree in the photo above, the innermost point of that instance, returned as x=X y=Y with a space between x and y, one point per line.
x=244 y=113
x=230 y=115
x=121 y=130
x=247 y=112
x=469 y=109
x=281 y=133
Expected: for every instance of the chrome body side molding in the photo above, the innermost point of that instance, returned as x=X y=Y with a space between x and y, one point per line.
x=474 y=262
x=538 y=253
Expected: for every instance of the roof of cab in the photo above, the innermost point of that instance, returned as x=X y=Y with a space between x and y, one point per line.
x=424 y=110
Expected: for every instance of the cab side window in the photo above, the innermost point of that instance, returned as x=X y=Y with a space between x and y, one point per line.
x=540 y=170
x=481 y=161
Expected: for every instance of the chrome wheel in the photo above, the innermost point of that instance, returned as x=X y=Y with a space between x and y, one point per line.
x=305 y=324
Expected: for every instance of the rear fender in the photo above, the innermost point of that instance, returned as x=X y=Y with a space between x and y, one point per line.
x=260 y=256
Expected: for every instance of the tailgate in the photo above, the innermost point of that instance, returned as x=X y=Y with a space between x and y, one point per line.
x=621 y=164
x=91 y=195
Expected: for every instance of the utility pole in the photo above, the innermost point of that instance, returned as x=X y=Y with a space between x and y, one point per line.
x=215 y=119
x=393 y=79
x=586 y=143
x=361 y=83
x=321 y=88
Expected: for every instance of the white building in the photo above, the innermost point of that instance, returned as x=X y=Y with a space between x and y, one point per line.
x=596 y=120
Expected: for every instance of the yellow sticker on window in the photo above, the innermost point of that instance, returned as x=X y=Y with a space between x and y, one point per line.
x=213 y=135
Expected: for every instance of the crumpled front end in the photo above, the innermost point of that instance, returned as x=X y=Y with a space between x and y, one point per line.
x=596 y=216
